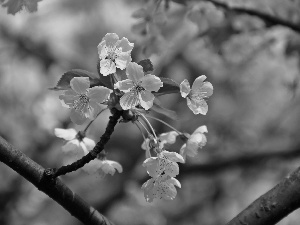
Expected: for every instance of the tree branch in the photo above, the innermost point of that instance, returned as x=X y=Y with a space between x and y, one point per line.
x=113 y=120
x=54 y=188
x=273 y=20
x=238 y=162
x=274 y=205
x=266 y=17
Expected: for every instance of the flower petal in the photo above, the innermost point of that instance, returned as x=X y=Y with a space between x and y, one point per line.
x=99 y=94
x=107 y=67
x=107 y=168
x=92 y=166
x=71 y=147
x=67 y=134
x=205 y=90
x=195 y=142
x=80 y=84
x=145 y=145
x=202 y=129
x=152 y=165
x=169 y=137
x=116 y=165
x=93 y=110
x=151 y=83
x=185 y=88
x=166 y=190
x=149 y=190
x=199 y=106
x=84 y=151
x=134 y=72
x=174 y=181
x=173 y=156
x=122 y=60
x=77 y=117
x=125 y=45
x=183 y=151
x=172 y=169
x=124 y=85
x=89 y=143
x=110 y=39
x=129 y=100
x=102 y=50
x=68 y=100
x=198 y=81
x=146 y=99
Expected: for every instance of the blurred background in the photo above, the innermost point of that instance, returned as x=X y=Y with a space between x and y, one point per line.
x=253 y=117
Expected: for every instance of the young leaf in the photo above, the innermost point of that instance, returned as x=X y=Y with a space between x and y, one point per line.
x=158 y=108
x=64 y=81
x=170 y=86
x=14 y=6
x=147 y=65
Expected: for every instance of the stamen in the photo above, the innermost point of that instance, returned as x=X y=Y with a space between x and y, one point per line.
x=198 y=95
x=113 y=52
x=80 y=103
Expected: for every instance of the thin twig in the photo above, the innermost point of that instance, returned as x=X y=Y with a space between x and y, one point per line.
x=113 y=120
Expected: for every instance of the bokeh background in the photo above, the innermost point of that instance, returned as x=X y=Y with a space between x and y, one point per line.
x=253 y=117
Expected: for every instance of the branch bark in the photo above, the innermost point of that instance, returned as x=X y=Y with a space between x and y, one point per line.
x=241 y=161
x=270 y=19
x=274 y=205
x=53 y=187
x=252 y=12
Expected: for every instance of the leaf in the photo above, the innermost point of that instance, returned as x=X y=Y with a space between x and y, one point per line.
x=170 y=86
x=158 y=108
x=64 y=81
x=147 y=65
x=14 y=6
x=106 y=80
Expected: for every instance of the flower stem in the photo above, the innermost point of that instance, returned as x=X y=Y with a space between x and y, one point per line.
x=147 y=146
x=173 y=128
x=148 y=132
x=90 y=123
x=149 y=124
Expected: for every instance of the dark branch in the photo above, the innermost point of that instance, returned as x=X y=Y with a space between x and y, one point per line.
x=113 y=120
x=238 y=162
x=274 y=205
x=54 y=188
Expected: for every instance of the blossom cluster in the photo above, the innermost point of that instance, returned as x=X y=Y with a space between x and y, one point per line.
x=135 y=94
x=164 y=168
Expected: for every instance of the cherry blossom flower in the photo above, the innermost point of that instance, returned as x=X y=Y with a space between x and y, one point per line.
x=164 y=138
x=77 y=144
x=103 y=167
x=195 y=142
x=138 y=87
x=114 y=53
x=83 y=101
x=168 y=137
x=162 y=187
x=165 y=162
x=195 y=96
